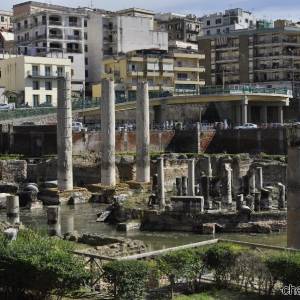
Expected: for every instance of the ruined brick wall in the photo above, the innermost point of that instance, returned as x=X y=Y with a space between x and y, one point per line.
x=270 y=141
x=13 y=170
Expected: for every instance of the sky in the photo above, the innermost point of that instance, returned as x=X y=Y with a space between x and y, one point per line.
x=269 y=9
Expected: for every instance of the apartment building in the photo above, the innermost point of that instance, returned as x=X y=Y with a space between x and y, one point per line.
x=6 y=20
x=120 y=32
x=166 y=72
x=184 y=28
x=228 y=21
x=269 y=57
x=32 y=81
x=52 y=31
x=7 y=41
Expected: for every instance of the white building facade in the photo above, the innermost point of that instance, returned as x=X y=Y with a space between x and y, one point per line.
x=6 y=20
x=52 y=31
x=230 y=20
x=32 y=81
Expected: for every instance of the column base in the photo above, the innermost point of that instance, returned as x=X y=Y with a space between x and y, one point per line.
x=52 y=196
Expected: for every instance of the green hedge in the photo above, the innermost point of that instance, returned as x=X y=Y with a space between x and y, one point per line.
x=128 y=278
x=36 y=266
x=231 y=265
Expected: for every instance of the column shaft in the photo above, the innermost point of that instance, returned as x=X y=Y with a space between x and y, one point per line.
x=142 y=134
x=191 y=177
x=108 y=172
x=64 y=135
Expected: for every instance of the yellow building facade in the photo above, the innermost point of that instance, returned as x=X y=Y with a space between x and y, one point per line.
x=166 y=73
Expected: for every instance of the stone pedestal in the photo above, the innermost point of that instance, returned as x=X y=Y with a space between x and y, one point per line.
x=52 y=196
x=53 y=220
x=13 y=209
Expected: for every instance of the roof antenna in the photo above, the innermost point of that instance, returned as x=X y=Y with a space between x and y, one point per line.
x=92 y=4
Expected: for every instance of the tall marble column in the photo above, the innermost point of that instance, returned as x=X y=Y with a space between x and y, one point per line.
x=142 y=134
x=108 y=168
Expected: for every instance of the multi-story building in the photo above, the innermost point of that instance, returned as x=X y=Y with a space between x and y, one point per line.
x=7 y=41
x=184 y=28
x=120 y=32
x=166 y=72
x=231 y=20
x=32 y=80
x=52 y=31
x=267 y=57
x=6 y=20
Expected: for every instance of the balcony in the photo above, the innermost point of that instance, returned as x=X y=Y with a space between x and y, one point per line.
x=188 y=68
x=70 y=50
x=74 y=37
x=74 y=24
x=55 y=23
x=38 y=74
x=55 y=36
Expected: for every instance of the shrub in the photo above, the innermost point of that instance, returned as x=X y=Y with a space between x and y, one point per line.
x=285 y=267
x=38 y=266
x=129 y=278
x=185 y=264
x=221 y=258
x=250 y=272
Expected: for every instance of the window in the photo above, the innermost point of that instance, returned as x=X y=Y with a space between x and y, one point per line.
x=85 y=23
x=35 y=70
x=48 y=71
x=218 y=30
x=0 y=73
x=71 y=58
x=35 y=85
x=218 y=21
x=246 y=20
x=208 y=32
x=2 y=19
x=60 y=71
x=86 y=73
x=182 y=76
x=85 y=48
x=36 y=100
x=85 y=36
x=72 y=72
x=208 y=22
x=86 y=60
x=48 y=85
x=48 y=99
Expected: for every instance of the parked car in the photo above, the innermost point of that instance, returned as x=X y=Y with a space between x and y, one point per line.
x=78 y=127
x=4 y=106
x=246 y=126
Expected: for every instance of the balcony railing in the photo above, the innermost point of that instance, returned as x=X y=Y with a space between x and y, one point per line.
x=55 y=36
x=56 y=23
x=74 y=37
x=74 y=50
x=74 y=24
